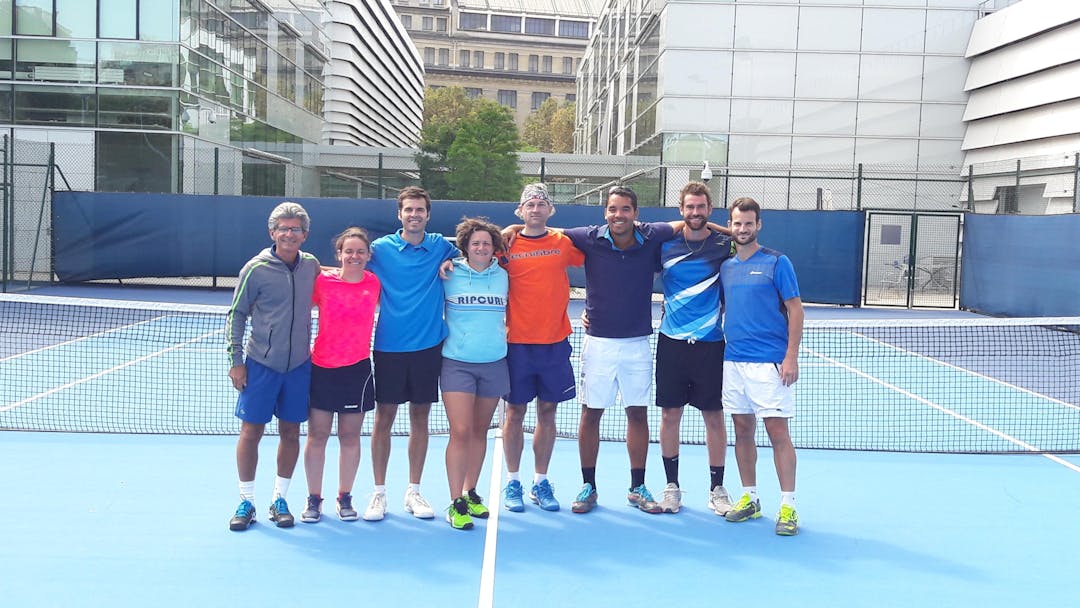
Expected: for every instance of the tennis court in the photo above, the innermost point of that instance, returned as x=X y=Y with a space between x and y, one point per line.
x=946 y=473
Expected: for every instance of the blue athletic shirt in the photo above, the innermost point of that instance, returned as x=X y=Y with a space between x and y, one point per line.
x=755 y=318
x=476 y=313
x=411 y=302
x=618 y=283
x=692 y=290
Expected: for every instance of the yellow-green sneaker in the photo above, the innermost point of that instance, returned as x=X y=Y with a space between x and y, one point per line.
x=787 y=521
x=744 y=509
x=476 y=505
x=457 y=515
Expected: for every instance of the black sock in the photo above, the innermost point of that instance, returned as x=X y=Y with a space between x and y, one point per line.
x=473 y=496
x=716 y=476
x=588 y=475
x=637 y=478
x=461 y=505
x=671 y=469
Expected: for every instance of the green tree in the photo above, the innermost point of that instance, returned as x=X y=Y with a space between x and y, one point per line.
x=481 y=164
x=550 y=128
x=444 y=109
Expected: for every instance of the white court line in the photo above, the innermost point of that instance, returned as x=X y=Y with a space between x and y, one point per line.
x=79 y=339
x=945 y=410
x=491 y=535
x=85 y=379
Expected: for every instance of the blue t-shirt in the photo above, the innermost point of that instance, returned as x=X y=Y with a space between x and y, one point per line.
x=692 y=291
x=755 y=318
x=476 y=313
x=618 y=282
x=411 y=303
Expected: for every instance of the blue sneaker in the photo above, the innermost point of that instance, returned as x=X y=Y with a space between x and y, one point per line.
x=586 y=499
x=279 y=513
x=244 y=517
x=543 y=494
x=512 y=497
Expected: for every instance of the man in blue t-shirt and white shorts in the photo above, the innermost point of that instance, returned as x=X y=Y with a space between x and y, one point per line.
x=763 y=324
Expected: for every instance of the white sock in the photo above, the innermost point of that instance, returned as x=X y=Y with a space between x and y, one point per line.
x=247 y=490
x=513 y=476
x=752 y=491
x=414 y=487
x=380 y=489
x=538 y=477
x=281 y=487
x=787 y=498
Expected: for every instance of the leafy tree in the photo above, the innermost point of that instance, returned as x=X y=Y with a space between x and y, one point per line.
x=551 y=127
x=481 y=163
x=444 y=109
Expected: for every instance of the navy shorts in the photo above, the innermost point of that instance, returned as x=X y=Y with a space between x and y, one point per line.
x=269 y=393
x=540 y=371
x=343 y=390
x=689 y=373
x=411 y=376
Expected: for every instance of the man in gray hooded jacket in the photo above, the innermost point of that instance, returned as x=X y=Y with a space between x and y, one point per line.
x=274 y=293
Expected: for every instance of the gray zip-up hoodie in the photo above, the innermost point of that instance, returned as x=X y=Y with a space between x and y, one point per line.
x=277 y=299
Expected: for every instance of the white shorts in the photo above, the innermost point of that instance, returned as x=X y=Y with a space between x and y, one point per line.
x=756 y=388
x=614 y=367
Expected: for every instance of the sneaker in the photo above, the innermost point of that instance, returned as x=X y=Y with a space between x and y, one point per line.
x=345 y=510
x=586 y=499
x=543 y=494
x=457 y=515
x=787 y=521
x=744 y=509
x=376 y=509
x=279 y=513
x=641 y=498
x=244 y=517
x=415 y=504
x=719 y=501
x=476 y=505
x=512 y=496
x=672 y=500
x=313 y=512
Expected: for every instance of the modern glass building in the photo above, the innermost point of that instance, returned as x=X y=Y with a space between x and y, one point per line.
x=168 y=95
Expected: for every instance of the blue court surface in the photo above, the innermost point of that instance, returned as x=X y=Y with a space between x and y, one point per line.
x=137 y=520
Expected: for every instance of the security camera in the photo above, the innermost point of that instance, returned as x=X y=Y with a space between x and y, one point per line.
x=706 y=172
x=211 y=117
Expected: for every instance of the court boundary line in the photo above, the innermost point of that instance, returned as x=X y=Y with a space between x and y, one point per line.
x=486 y=597
x=949 y=412
x=104 y=372
x=79 y=339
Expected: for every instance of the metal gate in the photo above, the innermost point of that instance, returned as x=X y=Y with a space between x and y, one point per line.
x=912 y=259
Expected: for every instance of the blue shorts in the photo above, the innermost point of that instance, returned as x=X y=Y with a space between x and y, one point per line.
x=269 y=393
x=540 y=371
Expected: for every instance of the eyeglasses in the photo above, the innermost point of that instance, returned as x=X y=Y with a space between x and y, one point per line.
x=288 y=229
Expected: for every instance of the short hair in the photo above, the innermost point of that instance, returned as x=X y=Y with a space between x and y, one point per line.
x=413 y=192
x=472 y=225
x=695 y=189
x=352 y=232
x=623 y=191
x=744 y=204
x=289 y=211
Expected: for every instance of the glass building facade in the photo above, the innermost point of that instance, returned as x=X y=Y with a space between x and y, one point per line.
x=188 y=96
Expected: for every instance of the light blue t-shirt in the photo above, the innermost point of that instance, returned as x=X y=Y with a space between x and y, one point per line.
x=755 y=318
x=691 y=278
x=476 y=313
x=411 y=303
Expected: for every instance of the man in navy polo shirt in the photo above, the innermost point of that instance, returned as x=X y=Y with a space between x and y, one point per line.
x=408 y=342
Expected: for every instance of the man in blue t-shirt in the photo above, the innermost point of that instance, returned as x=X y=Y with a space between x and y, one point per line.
x=408 y=342
x=763 y=323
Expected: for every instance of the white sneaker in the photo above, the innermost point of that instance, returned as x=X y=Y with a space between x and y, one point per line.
x=415 y=504
x=376 y=509
x=719 y=501
x=672 y=500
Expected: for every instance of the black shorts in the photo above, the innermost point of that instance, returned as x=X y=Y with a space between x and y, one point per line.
x=689 y=373
x=343 y=389
x=411 y=376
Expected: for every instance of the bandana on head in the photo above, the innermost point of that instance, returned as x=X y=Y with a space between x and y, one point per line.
x=535 y=191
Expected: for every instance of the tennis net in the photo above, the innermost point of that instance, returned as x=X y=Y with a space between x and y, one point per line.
x=957 y=385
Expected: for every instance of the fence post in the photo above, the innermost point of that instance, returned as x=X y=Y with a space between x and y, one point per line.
x=971 y=188
x=7 y=255
x=858 y=189
x=217 y=204
x=1076 y=182
x=379 y=179
x=542 y=169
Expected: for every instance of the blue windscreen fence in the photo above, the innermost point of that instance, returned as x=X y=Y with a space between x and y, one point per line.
x=99 y=235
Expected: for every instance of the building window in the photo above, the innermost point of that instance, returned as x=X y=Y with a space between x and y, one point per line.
x=472 y=21
x=429 y=55
x=505 y=23
x=406 y=21
x=574 y=29
x=440 y=24
x=540 y=27
x=507 y=98
x=473 y=93
x=571 y=97
x=500 y=61
x=538 y=99
x=567 y=65
x=444 y=57
x=547 y=64
x=478 y=59
x=534 y=63
x=427 y=24
x=463 y=59
x=513 y=62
